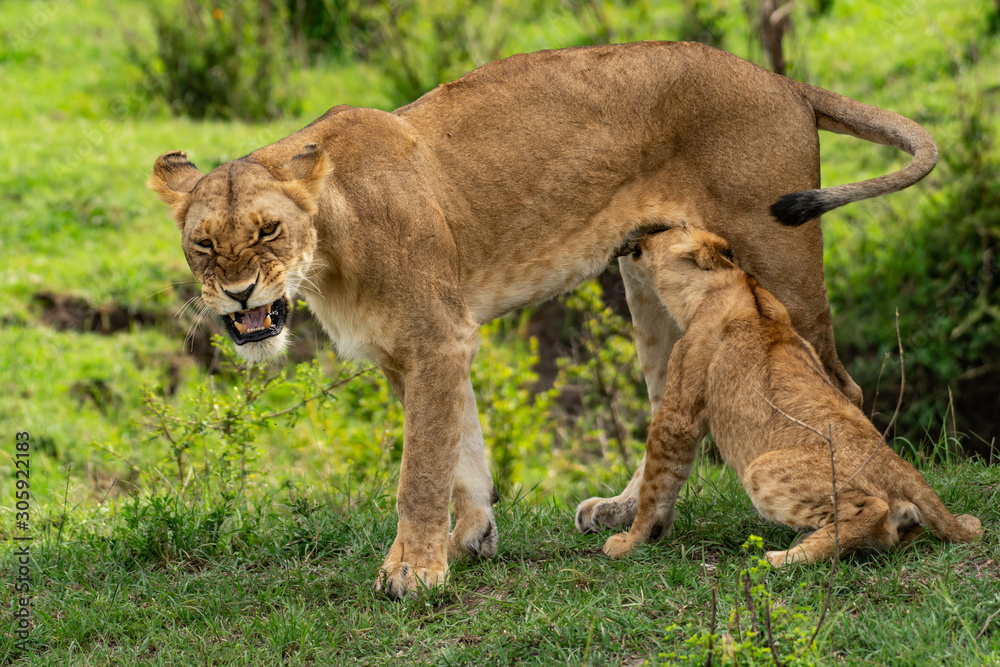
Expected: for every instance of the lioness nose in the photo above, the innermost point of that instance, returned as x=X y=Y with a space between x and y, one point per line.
x=243 y=296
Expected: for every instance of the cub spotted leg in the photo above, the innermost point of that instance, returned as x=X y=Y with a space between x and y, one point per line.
x=670 y=451
x=655 y=335
x=793 y=486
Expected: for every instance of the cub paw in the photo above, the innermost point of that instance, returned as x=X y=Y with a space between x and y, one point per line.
x=972 y=524
x=473 y=538
x=618 y=545
x=595 y=514
x=780 y=558
x=776 y=558
x=399 y=579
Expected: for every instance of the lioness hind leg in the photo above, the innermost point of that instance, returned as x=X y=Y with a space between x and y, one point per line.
x=473 y=492
x=655 y=335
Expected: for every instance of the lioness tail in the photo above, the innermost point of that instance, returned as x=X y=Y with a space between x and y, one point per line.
x=836 y=113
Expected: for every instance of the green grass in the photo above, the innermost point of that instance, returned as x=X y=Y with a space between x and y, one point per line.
x=287 y=579
x=282 y=574
x=81 y=133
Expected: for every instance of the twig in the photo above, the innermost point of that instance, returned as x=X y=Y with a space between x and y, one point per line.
x=987 y=623
x=711 y=630
x=836 y=549
x=895 y=415
x=62 y=521
x=789 y=417
x=736 y=616
x=124 y=460
x=770 y=637
x=751 y=607
x=326 y=390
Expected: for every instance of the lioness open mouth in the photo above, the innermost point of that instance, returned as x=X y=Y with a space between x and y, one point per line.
x=253 y=324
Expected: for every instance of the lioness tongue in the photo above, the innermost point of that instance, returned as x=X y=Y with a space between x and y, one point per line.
x=254 y=318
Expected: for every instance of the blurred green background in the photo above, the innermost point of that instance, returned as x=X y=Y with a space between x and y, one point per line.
x=120 y=385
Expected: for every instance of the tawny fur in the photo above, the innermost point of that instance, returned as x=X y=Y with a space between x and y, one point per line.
x=406 y=231
x=741 y=370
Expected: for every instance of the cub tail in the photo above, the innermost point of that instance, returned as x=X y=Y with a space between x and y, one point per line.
x=945 y=526
x=836 y=113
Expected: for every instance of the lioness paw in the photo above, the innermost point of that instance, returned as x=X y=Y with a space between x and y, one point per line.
x=474 y=538
x=399 y=579
x=595 y=514
x=618 y=545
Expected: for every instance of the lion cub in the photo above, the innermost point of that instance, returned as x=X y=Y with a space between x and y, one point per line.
x=738 y=367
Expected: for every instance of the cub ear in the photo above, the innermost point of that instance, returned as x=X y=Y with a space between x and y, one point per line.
x=173 y=179
x=303 y=177
x=711 y=252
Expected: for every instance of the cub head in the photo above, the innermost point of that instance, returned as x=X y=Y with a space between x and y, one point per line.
x=248 y=236
x=683 y=263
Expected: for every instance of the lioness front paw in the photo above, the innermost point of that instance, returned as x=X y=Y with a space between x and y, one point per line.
x=475 y=538
x=619 y=545
x=398 y=579
x=595 y=514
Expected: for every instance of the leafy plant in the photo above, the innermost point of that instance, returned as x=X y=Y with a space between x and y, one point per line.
x=516 y=420
x=602 y=372
x=221 y=59
x=940 y=270
x=760 y=629
x=221 y=427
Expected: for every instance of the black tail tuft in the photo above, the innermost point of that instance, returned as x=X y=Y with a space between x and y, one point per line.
x=797 y=208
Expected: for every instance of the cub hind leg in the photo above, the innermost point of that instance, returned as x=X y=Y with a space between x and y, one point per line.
x=793 y=486
x=862 y=521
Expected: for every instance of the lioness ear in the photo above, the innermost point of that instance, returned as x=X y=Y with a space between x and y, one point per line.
x=174 y=176
x=302 y=178
x=711 y=252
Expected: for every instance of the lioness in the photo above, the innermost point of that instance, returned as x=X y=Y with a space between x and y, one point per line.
x=406 y=231
x=741 y=368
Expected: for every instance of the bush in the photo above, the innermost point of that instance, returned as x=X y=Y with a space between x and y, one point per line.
x=940 y=270
x=227 y=60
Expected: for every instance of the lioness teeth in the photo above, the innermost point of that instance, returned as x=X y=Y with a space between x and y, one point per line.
x=242 y=328
x=267 y=322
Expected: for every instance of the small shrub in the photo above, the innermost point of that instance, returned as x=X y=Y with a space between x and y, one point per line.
x=602 y=376
x=517 y=423
x=758 y=630
x=940 y=270
x=226 y=60
x=213 y=438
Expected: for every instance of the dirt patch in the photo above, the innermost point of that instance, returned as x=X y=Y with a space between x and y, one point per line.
x=978 y=569
x=66 y=312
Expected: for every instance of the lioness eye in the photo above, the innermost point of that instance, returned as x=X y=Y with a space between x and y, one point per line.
x=205 y=243
x=268 y=229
